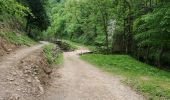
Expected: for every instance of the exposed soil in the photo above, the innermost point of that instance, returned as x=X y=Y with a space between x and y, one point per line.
x=78 y=80
x=24 y=74
x=6 y=47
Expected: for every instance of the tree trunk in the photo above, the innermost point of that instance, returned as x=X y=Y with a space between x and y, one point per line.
x=104 y=16
x=130 y=37
x=150 y=3
x=147 y=54
x=160 y=55
x=29 y=31
x=106 y=40
x=124 y=37
x=27 y=24
x=71 y=36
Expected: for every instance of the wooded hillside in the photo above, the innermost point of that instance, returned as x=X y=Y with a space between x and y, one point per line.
x=139 y=28
x=23 y=15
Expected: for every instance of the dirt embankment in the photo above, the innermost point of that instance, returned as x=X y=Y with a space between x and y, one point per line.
x=36 y=74
x=24 y=74
x=6 y=47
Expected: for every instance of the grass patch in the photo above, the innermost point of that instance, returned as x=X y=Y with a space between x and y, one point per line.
x=52 y=55
x=152 y=82
x=17 y=39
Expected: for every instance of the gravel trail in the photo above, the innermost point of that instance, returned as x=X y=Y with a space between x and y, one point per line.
x=79 y=80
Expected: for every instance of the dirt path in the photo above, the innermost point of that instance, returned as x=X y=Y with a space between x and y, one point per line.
x=78 y=80
x=9 y=75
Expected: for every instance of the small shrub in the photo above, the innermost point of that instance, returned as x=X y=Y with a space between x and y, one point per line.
x=53 y=56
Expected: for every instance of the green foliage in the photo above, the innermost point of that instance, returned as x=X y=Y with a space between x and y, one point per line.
x=25 y=15
x=52 y=55
x=80 y=21
x=13 y=14
x=67 y=45
x=151 y=31
x=135 y=27
x=17 y=39
x=152 y=82
x=11 y=8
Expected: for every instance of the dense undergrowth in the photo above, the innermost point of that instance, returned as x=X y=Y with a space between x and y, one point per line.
x=53 y=55
x=152 y=82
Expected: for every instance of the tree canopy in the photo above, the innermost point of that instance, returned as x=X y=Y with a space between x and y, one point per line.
x=136 y=27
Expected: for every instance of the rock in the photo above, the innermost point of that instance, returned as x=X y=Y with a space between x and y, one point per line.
x=9 y=50
x=10 y=79
x=36 y=66
x=35 y=73
x=18 y=89
x=13 y=97
x=37 y=80
x=27 y=71
x=41 y=89
x=16 y=97
x=29 y=80
x=8 y=53
x=48 y=71
x=26 y=75
x=22 y=61
x=14 y=73
x=17 y=84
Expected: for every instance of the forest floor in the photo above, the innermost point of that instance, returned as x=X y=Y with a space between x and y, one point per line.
x=76 y=79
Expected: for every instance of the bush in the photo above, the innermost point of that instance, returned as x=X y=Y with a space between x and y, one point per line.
x=53 y=55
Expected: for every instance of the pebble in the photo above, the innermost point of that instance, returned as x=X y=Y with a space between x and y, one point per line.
x=29 y=80
x=17 y=84
x=18 y=89
x=10 y=79
x=14 y=73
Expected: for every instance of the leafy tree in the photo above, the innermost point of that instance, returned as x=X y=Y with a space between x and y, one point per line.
x=136 y=27
x=13 y=13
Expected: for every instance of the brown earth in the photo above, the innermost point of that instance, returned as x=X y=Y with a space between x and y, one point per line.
x=6 y=47
x=23 y=74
